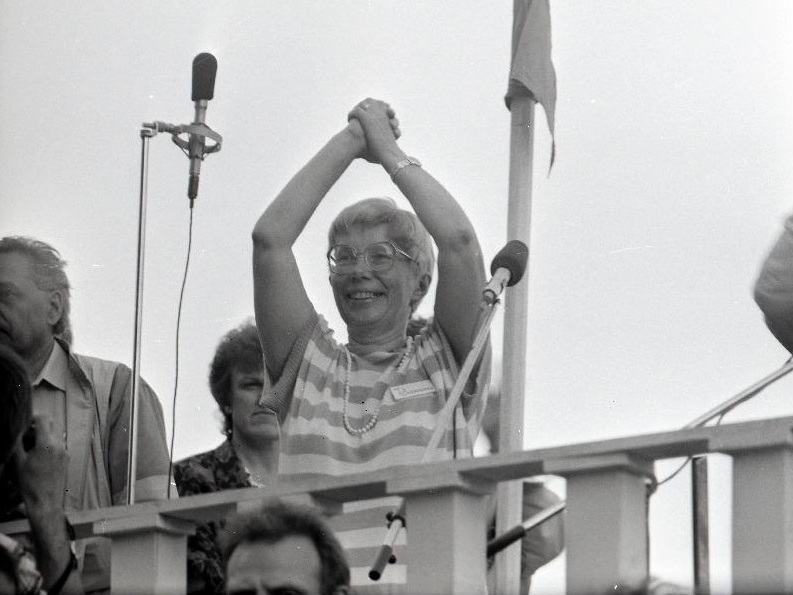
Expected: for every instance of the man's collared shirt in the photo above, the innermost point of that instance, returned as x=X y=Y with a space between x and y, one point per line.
x=49 y=389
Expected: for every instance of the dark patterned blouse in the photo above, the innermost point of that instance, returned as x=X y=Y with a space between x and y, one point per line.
x=211 y=471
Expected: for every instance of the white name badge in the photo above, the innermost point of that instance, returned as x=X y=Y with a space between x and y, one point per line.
x=412 y=390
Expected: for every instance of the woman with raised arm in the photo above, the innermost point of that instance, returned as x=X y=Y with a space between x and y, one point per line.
x=374 y=402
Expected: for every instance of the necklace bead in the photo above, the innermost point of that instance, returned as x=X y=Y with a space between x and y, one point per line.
x=400 y=367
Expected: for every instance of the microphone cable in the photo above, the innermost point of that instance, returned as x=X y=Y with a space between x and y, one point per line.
x=176 y=363
x=719 y=419
x=689 y=458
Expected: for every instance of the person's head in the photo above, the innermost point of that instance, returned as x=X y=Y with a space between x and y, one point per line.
x=34 y=295
x=16 y=410
x=283 y=547
x=399 y=288
x=236 y=380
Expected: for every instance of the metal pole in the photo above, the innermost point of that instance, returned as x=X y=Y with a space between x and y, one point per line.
x=145 y=135
x=699 y=498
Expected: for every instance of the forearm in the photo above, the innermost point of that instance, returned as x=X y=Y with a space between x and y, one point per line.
x=41 y=471
x=53 y=546
x=460 y=266
x=281 y=303
x=437 y=209
x=284 y=219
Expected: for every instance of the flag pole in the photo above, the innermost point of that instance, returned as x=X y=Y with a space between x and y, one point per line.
x=531 y=80
x=510 y=494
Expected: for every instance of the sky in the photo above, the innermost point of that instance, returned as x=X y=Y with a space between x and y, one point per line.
x=674 y=139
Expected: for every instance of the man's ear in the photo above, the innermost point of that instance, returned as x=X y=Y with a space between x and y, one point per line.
x=55 y=307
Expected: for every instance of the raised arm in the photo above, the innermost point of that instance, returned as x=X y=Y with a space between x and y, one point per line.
x=281 y=304
x=42 y=482
x=461 y=274
x=773 y=290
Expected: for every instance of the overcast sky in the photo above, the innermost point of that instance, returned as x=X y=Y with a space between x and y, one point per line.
x=672 y=177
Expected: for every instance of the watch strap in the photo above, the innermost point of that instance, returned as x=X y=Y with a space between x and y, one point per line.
x=403 y=163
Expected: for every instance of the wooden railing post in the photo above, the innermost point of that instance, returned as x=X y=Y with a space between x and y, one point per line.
x=447 y=532
x=148 y=555
x=605 y=522
x=762 y=510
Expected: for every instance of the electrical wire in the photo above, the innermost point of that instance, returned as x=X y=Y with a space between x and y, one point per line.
x=674 y=473
x=690 y=458
x=178 y=326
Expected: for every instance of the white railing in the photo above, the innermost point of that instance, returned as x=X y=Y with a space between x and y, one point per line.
x=605 y=523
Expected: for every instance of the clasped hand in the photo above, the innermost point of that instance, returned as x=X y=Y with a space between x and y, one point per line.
x=374 y=125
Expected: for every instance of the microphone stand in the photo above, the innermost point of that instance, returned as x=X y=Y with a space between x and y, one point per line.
x=396 y=519
x=148 y=131
x=517 y=532
x=145 y=134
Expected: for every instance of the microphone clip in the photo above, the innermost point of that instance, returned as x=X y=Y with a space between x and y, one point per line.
x=151 y=129
x=199 y=129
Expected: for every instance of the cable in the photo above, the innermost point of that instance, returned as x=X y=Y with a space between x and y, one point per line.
x=178 y=325
x=690 y=458
x=674 y=473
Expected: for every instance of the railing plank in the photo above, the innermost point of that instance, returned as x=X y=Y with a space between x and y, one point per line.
x=605 y=481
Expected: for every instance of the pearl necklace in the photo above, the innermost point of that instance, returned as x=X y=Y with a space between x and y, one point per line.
x=400 y=367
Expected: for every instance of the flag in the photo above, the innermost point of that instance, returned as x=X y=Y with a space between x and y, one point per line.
x=532 y=73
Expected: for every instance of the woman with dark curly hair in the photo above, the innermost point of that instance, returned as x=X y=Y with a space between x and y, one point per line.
x=248 y=457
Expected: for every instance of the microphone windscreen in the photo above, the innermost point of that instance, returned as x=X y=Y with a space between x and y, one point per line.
x=205 y=68
x=512 y=257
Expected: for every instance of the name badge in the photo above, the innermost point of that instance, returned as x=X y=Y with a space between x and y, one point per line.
x=412 y=390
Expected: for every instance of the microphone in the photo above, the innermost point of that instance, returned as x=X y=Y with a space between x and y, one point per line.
x=507 y=269
x=205 y=68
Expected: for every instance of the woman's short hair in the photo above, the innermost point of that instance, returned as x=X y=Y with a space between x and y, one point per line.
x=277 y=520
x=404 y=227
x=239 y=348
x=49 y=273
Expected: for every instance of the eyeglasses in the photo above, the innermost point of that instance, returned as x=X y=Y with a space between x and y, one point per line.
x=379 y=256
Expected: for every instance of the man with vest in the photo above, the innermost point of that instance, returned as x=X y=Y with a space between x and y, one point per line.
x=86 y=399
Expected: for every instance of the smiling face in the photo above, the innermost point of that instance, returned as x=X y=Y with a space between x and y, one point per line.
x=250 y=421
x=27 y=313
x=374 y=304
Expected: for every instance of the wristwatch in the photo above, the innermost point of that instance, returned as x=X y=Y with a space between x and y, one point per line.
x=403 y=164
